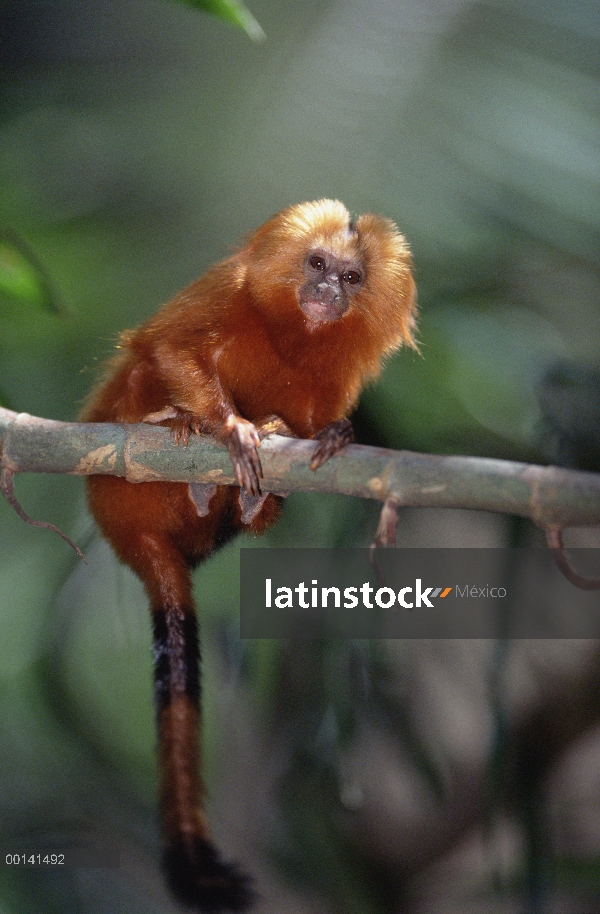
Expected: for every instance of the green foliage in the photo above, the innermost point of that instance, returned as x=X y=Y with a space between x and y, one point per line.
x=24 y=283
x=231 y=11
x=23 y=279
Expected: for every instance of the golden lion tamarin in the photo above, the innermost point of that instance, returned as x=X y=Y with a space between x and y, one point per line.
x=280 y=336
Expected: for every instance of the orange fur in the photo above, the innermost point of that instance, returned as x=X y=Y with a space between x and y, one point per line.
x=239 y=350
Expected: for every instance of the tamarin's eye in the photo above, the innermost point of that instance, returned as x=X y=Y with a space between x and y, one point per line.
x=316 y=262
x=351 y=276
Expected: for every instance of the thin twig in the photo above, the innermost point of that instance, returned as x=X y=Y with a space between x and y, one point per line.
x=555 y=542
x=8 y=490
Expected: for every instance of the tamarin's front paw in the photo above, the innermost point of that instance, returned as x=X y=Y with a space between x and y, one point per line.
x=198 y=877
x=242 y=440
x=181 y=422
x=183 y=425
x=332 y=439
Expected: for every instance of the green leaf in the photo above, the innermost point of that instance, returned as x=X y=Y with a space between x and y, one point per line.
x=232 y=11
x=22 y=276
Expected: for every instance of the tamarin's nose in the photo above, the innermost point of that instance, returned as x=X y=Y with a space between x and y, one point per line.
x=331 y=284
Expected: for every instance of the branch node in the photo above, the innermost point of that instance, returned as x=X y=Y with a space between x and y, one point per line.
x=388 y=523
x=386 y=532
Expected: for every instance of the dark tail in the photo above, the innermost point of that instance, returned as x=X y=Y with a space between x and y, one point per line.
x=196 y=874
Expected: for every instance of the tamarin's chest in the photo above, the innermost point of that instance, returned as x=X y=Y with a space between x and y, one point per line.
x=305 y=396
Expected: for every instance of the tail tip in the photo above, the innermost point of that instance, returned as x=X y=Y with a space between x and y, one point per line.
x=199 y=878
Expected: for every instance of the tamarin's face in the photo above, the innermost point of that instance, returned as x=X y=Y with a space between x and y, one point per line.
x=330 y=283
x=314 y=265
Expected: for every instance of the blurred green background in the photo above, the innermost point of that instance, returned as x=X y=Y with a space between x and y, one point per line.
x=139 y=141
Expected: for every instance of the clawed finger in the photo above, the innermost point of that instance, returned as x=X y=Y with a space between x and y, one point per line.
x=181 y=434
x=322 y=454
x=244 y=456
x=248 y=471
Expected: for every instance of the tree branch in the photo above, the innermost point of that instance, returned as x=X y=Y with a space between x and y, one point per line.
x=548 y=496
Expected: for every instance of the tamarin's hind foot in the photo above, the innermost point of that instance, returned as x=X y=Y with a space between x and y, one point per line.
x=198 y=877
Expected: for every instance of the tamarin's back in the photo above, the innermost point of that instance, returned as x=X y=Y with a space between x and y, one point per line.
x=279 y=337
